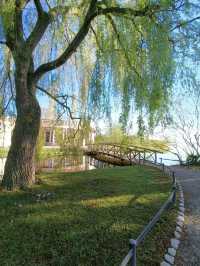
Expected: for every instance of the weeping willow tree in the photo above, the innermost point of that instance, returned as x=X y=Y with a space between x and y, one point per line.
x=134 y=60
x=111 y=47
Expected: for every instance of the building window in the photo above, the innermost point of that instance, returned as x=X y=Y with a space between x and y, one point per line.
x=52 y=136
x=47 y=136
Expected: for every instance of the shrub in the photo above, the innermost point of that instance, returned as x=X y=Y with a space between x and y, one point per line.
x=193 y=159
x=39 y=145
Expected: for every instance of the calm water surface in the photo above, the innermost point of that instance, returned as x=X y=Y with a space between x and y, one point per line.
x=71 y=163
x=67 y=163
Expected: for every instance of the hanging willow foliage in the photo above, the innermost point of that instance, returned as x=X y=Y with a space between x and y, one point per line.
x=124 y=56
x=137 y=56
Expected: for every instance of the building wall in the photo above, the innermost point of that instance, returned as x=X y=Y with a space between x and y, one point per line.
x=49 y=126
x=6 y=128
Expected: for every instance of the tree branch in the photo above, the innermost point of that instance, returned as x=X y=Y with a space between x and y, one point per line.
x=146 y=11
x=184 y=23
x=63 y=104
x=39 y=7
x=39 y=29
x=72 y=46
x=96 y=38
x=92 y=12
x=3 y=42
x=18 y=21
x=122 y=46
x=65 y=107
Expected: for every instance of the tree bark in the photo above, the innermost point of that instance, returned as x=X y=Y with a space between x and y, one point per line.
x=19 y=169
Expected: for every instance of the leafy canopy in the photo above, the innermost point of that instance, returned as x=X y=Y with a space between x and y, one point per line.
x=125 y=54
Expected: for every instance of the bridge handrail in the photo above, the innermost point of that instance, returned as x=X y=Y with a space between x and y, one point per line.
x=131 y=147
x=119 y=146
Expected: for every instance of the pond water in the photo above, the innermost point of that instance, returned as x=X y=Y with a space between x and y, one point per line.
x=168 y=158
x=67 y=163
x=71 y=163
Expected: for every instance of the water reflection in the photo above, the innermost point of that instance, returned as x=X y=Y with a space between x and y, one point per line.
x=68 y=163
x=71 y=163
x=65 y=164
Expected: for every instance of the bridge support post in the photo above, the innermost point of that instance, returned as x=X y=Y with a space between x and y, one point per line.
x=139 y=157
x=155 y=158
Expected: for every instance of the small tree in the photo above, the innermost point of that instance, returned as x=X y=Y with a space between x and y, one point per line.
x=186 y=125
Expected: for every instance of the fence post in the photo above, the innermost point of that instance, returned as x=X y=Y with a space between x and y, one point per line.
x=174 y=179
x=174 y=188
x=133 y=244
x=174 y=195
x=163 y=167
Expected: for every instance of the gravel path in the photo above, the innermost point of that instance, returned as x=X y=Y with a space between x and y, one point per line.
x=189 y=250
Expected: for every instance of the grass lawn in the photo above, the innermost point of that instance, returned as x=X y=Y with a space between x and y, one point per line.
x=87 y=220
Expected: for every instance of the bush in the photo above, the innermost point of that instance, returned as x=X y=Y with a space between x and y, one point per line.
x=39 y=145
x=193 y=159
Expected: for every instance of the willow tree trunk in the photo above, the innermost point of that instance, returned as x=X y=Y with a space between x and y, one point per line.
x=19 y=169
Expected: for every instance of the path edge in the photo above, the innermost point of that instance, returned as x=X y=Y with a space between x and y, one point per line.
x=170 y=254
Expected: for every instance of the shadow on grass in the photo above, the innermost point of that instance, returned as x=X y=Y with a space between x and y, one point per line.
x=88 y=222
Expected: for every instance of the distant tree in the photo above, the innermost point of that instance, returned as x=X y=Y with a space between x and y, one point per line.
x=186 y=125
x=141 y=128
x=114 y=135
x=117 y=136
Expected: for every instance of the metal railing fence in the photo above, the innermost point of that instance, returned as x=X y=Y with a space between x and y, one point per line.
x=134 y=243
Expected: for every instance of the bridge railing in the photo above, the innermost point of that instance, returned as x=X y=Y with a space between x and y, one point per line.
x=134 y=243
x=132 y=254
x=131 y=147
x=132 y=153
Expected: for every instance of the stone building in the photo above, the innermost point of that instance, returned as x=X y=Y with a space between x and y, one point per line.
x=6 y=127
x=49 y=123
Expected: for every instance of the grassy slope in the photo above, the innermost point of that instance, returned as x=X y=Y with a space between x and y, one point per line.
x=88 y=221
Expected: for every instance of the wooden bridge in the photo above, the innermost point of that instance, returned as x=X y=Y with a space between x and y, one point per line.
x=132 y=154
